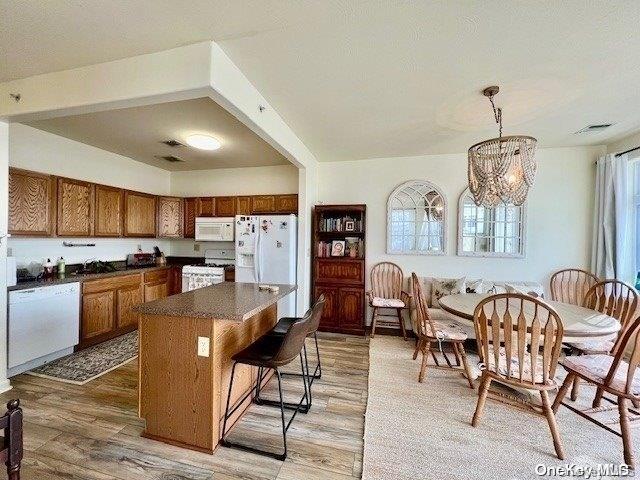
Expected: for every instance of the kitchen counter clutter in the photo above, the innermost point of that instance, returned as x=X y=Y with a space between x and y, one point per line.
x=186 y=346
x=235 y=302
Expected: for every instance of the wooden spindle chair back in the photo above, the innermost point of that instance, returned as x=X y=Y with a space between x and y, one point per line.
x=629 y=342
x=386 y=280
x=571 y=285
x=615 y=298
x=424 y=323
x=525 y=327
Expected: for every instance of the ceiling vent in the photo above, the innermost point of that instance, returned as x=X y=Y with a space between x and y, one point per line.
x=173 y=143
x=169 y=158
x=594 y=128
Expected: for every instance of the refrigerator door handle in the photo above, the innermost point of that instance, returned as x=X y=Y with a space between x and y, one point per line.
x=256 y=266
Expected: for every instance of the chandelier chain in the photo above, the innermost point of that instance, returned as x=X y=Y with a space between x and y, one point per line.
x=497 y=114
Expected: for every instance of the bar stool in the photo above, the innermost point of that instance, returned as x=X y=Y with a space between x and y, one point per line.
x=281 y=329
x=271 y=352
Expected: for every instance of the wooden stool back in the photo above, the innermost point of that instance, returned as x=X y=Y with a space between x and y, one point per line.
x=523 y=325
x=571 y=285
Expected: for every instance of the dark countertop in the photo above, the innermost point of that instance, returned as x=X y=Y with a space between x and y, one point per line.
x=224 y=301
x=83 y=277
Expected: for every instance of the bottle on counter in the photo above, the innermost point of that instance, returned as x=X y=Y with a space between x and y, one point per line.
x=61 y=266
x=48 y=268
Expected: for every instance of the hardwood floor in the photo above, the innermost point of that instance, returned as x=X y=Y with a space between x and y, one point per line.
x=93 y=431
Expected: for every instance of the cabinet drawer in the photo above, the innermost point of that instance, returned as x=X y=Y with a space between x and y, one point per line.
x=156 y=276
x=112 y=283
x=339 y=271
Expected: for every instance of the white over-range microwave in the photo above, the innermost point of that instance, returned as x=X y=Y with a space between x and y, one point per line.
x=214 y=229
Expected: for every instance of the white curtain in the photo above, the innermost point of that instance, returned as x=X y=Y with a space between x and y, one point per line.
x=613 y=251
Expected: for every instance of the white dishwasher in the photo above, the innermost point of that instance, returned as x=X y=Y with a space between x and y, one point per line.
x=44 y=324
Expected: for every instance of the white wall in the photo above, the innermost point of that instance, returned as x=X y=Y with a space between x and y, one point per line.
x=40 y=151
x=235 y=181
x=559 y=211
x=4 y=213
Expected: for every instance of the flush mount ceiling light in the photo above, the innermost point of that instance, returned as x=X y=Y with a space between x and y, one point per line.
x=501 y=170
x=203 y=142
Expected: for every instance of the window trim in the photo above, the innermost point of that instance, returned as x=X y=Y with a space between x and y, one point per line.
x=445 y=213
x=523 y=233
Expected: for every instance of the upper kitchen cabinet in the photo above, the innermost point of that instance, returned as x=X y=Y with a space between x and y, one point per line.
x=139 y=214
x=263 y=204
x=287 y=203
x=108 y=215
x=206 y=207
x=190 y=213
x=75 y=208
x=243 y=205
x=32 y=201
x=170 y=217
x=225 y=206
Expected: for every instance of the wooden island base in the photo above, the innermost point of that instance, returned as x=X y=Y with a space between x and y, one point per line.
x=182 y=395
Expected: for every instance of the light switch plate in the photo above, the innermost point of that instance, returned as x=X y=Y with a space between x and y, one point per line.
x=203 y=346
x=196 y=247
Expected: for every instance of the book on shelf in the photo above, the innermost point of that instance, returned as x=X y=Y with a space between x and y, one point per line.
x=353 y=248
x=342 y=224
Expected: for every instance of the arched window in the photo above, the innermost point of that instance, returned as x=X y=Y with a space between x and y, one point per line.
x=490 y=231
x=416 y=216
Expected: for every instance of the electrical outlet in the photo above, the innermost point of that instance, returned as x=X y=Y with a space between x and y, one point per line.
x=203 y=346
x=196 y=247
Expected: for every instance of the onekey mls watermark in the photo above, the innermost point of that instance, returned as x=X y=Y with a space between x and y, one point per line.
x=597 y=471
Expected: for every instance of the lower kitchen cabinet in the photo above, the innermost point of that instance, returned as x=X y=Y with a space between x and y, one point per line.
x=98 y=314
x=107 y=304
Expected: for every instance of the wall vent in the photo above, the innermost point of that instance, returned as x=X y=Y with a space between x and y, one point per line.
x=594 y=128
x=169 y=158
x=172 y=143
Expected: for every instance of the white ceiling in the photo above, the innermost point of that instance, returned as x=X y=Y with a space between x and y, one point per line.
x=137 y=133
x=358 y=79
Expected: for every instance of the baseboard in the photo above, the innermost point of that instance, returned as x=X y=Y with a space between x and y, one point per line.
x=5 y=385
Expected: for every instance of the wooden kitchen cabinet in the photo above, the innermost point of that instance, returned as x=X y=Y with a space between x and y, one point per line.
x=225 y=206
x=156 y=285
x=263 y=204
x=32 y=203
x=75 y=208
x=243 y=205
x=287 y=203
x=108 y=208
x=190 y=213
x=139 y=214
x=127 y=298
x=170 y=217
x=206 y=207
x=98 y=314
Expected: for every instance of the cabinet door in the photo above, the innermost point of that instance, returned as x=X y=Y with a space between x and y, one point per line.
x=243 y=205
x=108 y=211
x=287 y=203
x=263 y=204
x=175 y=280
x=170 y=215
x=330 y=313
x=190 y=209
x=127 y=299
x=206 y=207
x=225 y=206
x=31 y=203
x=155 y=291
x=75 y=208
x=139 y=214
x=351 y=307
x=98 y=313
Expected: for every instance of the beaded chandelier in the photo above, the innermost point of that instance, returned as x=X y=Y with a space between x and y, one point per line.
x=501 y=170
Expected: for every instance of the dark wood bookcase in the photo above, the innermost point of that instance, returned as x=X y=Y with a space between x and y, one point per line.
x=340 y=278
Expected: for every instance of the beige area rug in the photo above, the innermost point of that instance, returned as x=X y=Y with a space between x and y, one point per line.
x=423 y=430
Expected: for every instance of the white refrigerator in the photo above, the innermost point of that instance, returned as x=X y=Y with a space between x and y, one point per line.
x=266 y=253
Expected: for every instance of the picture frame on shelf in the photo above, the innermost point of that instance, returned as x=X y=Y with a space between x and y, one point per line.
x=350 y=226
x=337 y=248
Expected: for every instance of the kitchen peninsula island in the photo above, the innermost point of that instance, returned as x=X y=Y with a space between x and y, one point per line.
x=186 y=342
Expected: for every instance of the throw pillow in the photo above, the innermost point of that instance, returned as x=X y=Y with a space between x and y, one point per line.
x=474 y=286
x=445 y=286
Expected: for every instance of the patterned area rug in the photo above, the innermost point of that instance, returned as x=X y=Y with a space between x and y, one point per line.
x=83 y=366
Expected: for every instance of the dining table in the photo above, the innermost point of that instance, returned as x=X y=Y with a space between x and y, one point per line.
x=580 y=323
